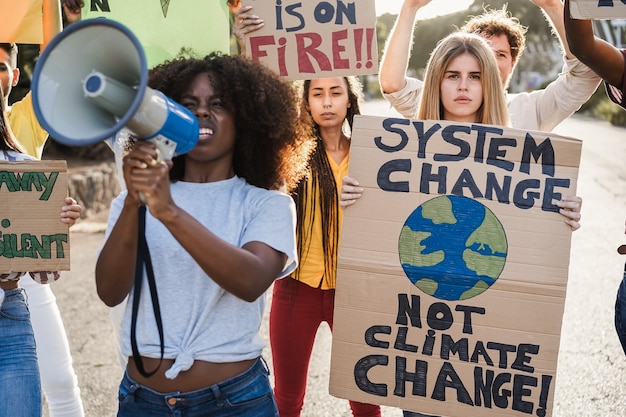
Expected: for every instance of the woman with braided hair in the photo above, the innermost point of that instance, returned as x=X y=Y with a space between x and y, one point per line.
x=305 y=299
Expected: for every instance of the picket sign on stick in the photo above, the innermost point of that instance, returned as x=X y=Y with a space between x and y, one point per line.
x=598 y=9
x=453 y=268
x=32 y=235
x=315 y=39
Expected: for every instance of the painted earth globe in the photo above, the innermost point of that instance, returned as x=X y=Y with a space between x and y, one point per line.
x=452 y=247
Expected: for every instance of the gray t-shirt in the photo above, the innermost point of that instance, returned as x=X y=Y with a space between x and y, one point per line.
x=202 y=321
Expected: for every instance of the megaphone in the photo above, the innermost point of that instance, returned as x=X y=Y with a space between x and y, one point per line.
x=91 y=81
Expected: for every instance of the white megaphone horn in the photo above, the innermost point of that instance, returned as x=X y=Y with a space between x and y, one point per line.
x=91 y=81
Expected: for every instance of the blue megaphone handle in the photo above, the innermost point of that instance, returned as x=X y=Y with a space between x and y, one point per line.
x=182 y=125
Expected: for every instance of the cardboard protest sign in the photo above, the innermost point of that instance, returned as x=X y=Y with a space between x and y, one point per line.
x=32 y=235
x=598 y=9
x=164 y=27
x=21 y=21
x=315 y=39
x=453 y=268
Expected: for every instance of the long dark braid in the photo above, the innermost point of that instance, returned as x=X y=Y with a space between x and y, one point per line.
x=321 y=183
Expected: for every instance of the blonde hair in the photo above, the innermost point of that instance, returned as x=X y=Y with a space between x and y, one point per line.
x=493 y=109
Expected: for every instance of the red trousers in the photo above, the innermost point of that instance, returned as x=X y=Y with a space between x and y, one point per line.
x=296 y=313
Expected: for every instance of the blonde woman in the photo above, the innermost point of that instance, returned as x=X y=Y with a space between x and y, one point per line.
x=462 y=84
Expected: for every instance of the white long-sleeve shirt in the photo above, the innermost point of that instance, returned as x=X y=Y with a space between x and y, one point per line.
x=537 y=110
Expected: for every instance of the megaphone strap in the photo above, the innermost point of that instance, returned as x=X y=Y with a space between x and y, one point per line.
x=143 y=257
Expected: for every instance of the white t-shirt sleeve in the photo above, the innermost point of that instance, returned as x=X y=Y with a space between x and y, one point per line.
x=544 y=109
x=406 y=101
x=274 y=223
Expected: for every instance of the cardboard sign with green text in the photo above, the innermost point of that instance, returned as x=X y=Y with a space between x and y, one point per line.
x=597 y=9
x=32 y=235
x=453 y=268
x=315 y=39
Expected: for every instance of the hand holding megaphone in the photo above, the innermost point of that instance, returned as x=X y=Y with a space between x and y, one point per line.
x=91 y=81
x=147 y=176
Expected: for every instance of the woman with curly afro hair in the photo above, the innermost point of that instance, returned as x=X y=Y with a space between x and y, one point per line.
x=270 y=150
x=220 y=229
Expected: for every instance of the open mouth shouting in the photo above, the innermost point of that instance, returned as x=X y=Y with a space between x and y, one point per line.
x=205 y=133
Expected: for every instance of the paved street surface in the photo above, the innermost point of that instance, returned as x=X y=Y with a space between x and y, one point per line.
x=591 y=378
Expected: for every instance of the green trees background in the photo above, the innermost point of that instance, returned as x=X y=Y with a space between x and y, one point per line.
x=539 y=64
x=429 y=32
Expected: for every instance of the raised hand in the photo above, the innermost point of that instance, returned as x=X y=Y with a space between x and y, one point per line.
x=245 y=23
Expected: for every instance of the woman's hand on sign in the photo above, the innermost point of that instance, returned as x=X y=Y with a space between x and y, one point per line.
x=245 y=23
x=70 y=212
x=570 y=208
x=350 y=192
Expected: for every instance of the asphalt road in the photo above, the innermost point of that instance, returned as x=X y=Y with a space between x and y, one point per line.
x=591 y=379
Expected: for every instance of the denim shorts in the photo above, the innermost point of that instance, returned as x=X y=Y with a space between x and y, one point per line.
x=620 y=312
x=247 y=394
x=20 y=386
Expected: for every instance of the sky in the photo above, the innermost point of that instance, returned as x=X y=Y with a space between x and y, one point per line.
x=434 y=8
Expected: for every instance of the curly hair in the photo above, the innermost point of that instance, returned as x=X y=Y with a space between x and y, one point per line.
x=496 y=22
x=272 y=144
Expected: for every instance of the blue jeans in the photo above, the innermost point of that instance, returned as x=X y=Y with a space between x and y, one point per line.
x=620 y=312
x=247 y=394
x=20 y=386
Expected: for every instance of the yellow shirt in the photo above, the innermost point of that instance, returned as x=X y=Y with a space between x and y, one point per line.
x=311 y=267
x=26 y=127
